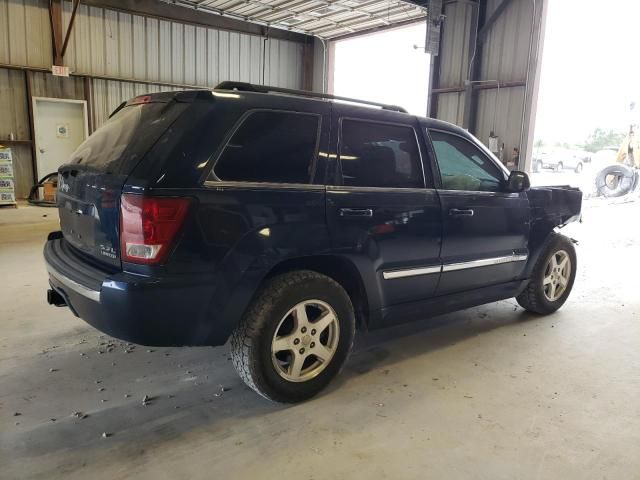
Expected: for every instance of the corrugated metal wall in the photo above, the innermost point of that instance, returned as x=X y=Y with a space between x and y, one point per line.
x=503 y=57
x=14 y=120
x=25 y=33
x=44 y=84
x=108 y=94
x=132 y=47
x=137 y=53
x=117 y=44
x=454 y=59
x=15 y=115
x=13 y=105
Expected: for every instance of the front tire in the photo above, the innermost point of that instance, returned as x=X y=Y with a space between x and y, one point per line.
x=552 y=278
x=294 y=337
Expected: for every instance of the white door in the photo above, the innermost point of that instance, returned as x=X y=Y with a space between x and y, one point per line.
x=60 y=126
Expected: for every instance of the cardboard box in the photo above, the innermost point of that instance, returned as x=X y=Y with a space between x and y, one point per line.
x=6 y=170
x=7 y=198
x=5 y=156
x=7 y=184
x=50 y=191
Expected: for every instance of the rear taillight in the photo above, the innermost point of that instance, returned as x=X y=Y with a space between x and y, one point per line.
x=149 y=225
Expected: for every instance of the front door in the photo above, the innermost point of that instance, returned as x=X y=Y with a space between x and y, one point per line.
x=485 y=228
x=379 y=212
x=60 y=126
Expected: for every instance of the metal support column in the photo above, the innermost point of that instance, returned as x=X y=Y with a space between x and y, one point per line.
x=473 y=62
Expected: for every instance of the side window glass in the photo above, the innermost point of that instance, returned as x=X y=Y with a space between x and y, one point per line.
x=271 y=146
x=463 y=166
x=379 y=155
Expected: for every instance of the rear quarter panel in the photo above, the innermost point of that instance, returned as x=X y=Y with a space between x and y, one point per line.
x=240 y=232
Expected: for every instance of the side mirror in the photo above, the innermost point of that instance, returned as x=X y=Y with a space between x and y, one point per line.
x=518 y=182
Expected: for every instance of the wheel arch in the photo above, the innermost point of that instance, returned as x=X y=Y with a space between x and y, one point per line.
x=338 y=268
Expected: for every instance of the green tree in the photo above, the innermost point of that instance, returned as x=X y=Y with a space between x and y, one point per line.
x=601 y=138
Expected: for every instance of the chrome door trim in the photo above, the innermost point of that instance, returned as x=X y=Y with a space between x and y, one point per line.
x=221 y=184
x=350 y=188
x=484 y=262
x=73 y=285
x=411 y=272
x=451 y=267
x=479 y=192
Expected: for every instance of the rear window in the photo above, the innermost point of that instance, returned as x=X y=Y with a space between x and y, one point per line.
x=119 y=144
x=271 y=146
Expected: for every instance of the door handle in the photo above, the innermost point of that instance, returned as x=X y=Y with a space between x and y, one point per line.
x=356 y=212
x=456 y=212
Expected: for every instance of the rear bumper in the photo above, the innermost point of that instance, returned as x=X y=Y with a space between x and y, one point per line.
x=158 y=311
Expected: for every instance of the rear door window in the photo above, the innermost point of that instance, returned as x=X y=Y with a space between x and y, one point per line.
x=271 y=146
x=379 y=155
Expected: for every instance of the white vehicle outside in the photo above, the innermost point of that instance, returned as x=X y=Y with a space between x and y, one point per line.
x=560 y=159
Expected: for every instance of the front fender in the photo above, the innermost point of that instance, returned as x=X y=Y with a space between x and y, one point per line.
x=551 y=208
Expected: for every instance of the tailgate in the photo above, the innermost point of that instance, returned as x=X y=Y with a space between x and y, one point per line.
x=89 y=186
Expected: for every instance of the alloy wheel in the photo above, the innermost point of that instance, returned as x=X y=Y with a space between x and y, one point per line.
x=556 y=275
x=305 y=340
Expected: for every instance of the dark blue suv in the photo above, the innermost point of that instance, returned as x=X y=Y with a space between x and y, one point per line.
x=286 y=222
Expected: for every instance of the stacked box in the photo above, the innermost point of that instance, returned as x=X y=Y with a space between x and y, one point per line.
x=7 y=184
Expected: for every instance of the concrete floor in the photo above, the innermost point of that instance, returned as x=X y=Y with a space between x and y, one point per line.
x=487 y=393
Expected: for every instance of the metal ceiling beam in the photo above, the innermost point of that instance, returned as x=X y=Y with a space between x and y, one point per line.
x=165 y=11
x=337 y=3
x=352 y=22
x=260 y=17
x=55 y=20
x=67 y=35
x=381 y=28
x=380 y=15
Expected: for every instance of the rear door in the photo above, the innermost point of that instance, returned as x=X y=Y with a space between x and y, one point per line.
x=485 y=228
x=381 y=213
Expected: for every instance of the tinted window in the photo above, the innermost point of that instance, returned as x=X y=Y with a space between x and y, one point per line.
x=271 y=147
x=379 y=155
x=463 y=166
x=119 y=144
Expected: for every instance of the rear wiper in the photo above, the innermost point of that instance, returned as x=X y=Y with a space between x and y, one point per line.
x=120 y=107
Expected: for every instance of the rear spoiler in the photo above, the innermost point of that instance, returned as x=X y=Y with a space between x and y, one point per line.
x=185 y=96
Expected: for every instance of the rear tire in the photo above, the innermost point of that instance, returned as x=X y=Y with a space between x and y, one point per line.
x=579 y=168
x=277 y=351
x=552 y=280
x=559 y=167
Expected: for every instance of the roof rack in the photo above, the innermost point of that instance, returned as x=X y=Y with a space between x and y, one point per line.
x=250 y=87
